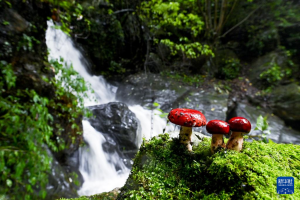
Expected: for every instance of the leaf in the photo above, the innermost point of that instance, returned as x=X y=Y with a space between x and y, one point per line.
x=259 y=123
x=271 y=141
x=8 y=182
x=155 y=104
x=163 y=115
x=265 y=125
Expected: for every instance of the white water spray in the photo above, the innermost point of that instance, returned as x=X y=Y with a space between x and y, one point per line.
x=96 y=166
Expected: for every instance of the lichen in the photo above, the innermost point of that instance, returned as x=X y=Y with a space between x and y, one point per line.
x=164 y=170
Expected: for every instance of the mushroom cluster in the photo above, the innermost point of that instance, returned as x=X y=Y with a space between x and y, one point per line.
x=186 y=118
x=238 y=126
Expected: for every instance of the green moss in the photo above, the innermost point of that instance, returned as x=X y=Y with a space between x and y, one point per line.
x=103 y=196
x=164 y=170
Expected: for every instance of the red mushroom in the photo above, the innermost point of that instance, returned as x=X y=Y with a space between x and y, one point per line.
x=186 y=118
x=217 y=128
x=239 y=126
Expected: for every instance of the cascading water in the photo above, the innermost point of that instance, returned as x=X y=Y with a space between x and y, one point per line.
x=96 y=166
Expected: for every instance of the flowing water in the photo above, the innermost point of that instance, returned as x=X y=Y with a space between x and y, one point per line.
x=96 y=166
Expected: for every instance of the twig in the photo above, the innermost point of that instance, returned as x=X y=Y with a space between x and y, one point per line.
x=124 y=10
x=240 y=22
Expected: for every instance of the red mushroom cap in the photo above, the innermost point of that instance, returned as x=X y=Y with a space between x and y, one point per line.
x=240 y=124
x=187 y=117
x=218 y=127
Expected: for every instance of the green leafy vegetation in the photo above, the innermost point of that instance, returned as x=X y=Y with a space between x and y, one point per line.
x=103 y=196
x=63 y=12
x=24 y=127
x=163 y=170
x=169 y=19
x=39 y=113
x=263 y=126
x=194 y=80
x=231 y=68
x=277 y=71
x=27 y=130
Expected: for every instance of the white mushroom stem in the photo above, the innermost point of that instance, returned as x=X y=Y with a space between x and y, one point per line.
x=235 y=141
x=185 y=137
x=217 y=142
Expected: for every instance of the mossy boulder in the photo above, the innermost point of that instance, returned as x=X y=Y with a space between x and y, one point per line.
x=284 y=102
x=164 y=170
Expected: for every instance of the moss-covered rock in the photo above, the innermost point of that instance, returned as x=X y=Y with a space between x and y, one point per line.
x=103 y=196
x=163 y=170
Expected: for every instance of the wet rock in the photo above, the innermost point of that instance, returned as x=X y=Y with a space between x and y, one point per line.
x=264 y=63
x=170 y=94
x=285 y=103
x=279 y=132
x=63 y=182
x=212 y=104
x=118 y=125
x=16 y=22
x=144 y=90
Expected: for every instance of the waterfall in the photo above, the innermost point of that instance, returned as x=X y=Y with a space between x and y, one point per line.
x=96 y=166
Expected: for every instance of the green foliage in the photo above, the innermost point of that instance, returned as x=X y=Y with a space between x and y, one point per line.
x=164 y=170
x=26 y=43
x=175 y=25
x=116 y=68
x=194 y=80
x=26 y=130
x=112 y=195
x=162 y=113
x=263 y=126
x=275 y=73
x=63 y=11
x=69 y=83
x=264 y=27
x=230 y=68
x=105 y=37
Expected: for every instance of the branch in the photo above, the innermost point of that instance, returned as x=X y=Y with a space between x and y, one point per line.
x=222 y=14
x=232 y=8
x=209 y=14
x=202 y=9
x=147 y=55
x=216 y=14
x=240 y=22
x=124 y=10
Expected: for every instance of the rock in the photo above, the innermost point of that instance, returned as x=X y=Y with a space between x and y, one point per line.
x=212 y=104
x=144 y=90
x=264 y=63
x=163 y=170
x=154 y=62
x=62 y=183
x=16 y=22
x=285 y=103
x=170 y=94
x=279 y=132
x=118 y=125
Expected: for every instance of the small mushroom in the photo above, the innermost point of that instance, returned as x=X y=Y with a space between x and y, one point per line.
x=186 y=118
x=239 y=126
x=217 y=128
